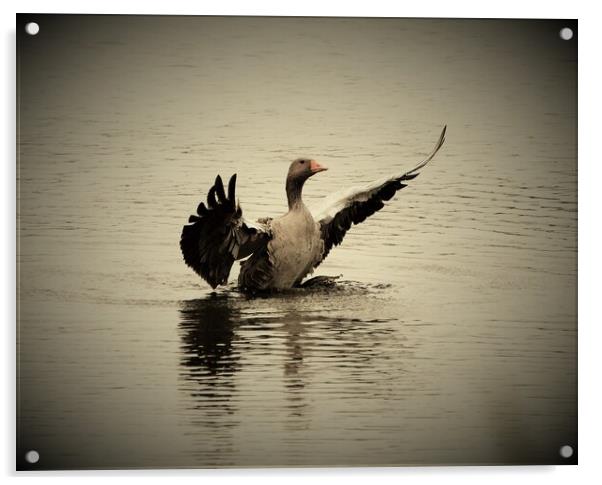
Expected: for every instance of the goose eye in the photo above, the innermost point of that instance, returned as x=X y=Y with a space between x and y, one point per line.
x=302 y=161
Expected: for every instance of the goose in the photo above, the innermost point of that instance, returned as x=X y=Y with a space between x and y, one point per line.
x=277 y=253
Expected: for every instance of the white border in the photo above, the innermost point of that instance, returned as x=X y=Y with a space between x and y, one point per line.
x=590 y=247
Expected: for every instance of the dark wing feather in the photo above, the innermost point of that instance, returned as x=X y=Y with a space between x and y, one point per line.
x=218 y=235
x=354 y=205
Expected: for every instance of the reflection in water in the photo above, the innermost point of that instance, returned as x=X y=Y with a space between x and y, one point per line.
x=209 y=365
x=224 y=335
x=207 y=340
x=207 y=331
x=295 y=334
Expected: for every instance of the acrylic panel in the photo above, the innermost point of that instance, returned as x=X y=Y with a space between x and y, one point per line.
x=383 y=312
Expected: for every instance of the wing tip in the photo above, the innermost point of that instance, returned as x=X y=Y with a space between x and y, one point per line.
x=438 y=145
x=232 y=189
x=442 y=136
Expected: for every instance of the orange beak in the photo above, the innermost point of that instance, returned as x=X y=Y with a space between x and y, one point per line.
x=315 y=167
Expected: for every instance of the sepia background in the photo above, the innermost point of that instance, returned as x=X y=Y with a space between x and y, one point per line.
x=451 y=336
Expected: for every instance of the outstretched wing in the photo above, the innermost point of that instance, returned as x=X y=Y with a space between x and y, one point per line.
x=354 y=205
x=218 y=235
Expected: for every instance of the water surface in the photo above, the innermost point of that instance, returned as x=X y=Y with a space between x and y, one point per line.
x=450 y=337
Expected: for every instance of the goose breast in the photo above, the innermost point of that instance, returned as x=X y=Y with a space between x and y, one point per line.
x=295 y=248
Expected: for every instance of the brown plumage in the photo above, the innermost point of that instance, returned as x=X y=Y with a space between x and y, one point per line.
x=280 y=251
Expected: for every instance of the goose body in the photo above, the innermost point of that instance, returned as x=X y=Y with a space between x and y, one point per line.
x=278 y=253
x=295 y=248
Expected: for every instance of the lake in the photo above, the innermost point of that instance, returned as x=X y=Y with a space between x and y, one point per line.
x=451 y=335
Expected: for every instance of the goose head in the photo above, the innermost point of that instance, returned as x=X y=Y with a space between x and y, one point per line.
x=303 y=168
x=298 y=172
